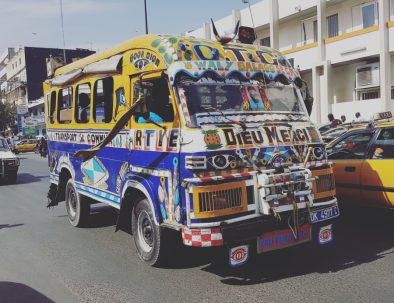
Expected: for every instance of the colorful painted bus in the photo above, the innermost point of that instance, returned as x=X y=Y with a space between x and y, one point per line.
x=220 y=147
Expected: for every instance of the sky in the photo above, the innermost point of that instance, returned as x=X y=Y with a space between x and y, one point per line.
x=100 y=24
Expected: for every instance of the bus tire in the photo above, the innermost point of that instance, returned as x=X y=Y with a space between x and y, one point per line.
x=147 y=235
x=78 y=208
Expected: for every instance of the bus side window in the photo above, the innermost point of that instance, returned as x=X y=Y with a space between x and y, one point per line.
x=103 y=100
x=52 y=107
x=161 y=108
x=82 y=108
x=64 y=108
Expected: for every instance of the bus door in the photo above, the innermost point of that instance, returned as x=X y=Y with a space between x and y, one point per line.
x=155 y=141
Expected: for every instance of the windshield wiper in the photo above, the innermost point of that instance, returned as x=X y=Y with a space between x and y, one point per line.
x=241 y=123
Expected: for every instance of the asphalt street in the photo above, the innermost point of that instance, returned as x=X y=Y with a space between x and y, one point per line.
x=44 y=259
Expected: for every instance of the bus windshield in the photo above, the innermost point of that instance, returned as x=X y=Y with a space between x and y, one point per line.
x=212 y=100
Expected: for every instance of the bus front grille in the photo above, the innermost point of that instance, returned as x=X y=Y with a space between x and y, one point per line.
x=219 y=200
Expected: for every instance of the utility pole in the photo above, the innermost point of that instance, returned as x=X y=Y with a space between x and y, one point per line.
x=250 y=11
x=62 y=24
x=146 y=19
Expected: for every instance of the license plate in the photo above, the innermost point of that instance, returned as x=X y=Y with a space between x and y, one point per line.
x=283 y=238
x=324 y=214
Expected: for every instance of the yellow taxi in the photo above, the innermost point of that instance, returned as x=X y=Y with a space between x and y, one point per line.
x=363 y=161
x=26 y=145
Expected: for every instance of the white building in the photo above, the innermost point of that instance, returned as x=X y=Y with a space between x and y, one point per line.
x=343 y=49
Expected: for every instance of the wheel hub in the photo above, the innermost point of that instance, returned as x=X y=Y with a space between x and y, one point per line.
x=72 y=198
x=145 y=231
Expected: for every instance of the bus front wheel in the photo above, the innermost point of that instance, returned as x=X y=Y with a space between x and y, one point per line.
x=147 y=235
x=78 y=208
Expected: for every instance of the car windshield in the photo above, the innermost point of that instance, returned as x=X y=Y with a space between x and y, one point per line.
x=3 y=144
x=211 y=100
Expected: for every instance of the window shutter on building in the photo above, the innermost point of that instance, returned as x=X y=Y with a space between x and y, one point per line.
x=332 y=26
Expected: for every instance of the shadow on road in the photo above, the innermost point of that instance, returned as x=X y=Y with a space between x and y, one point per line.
x=25 y=178
x=9 y=226
x=360 y=238
x=11 y=292
x=102 y=216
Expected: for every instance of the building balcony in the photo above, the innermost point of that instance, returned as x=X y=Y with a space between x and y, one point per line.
x=367 y=108
x=304 y=56
x=353 y=45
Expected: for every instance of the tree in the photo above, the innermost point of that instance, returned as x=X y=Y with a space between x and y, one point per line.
x=7 y=115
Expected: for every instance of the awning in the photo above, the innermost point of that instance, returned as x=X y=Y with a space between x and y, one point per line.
x=105 y=66
x=65 y=78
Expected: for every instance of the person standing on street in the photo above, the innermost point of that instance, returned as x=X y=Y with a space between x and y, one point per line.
x=359 y=118
x=334 y=122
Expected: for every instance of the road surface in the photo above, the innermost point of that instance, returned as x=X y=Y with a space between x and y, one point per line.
x=44 y=259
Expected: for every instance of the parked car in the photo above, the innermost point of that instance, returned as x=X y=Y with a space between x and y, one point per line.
x=363 y=160
x=333 y=133
x=9 y=163
x=26 y=145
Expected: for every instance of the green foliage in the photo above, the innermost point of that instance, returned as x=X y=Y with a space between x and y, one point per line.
x=7 y=115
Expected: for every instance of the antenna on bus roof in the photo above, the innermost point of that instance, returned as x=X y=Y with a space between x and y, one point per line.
x=224 y=39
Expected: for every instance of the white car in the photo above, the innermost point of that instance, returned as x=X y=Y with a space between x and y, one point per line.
x=9 y=163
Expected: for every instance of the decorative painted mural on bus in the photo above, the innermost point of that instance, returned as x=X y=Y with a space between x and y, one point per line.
x=53 y=162
x=64 y=161
x=157 y=140
x=248 y=70
x=169 y=199
x=262 y=136
x=95 y=173
x=175 y=190
x=242 y=160
x=122 y=172
x=91 y=138
x=165 y=46
x=193 y=49
x=142 y=58
x=212 y=139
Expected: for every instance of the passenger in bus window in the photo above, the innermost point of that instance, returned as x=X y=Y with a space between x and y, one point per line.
x=84 y=103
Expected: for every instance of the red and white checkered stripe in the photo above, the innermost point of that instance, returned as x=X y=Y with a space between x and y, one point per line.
x=202 y=237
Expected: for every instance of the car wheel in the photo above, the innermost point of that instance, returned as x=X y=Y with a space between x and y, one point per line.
x=147 y=235
x=78 y=207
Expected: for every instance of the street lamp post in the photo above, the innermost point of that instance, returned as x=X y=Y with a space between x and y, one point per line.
x=62 y=23
x=250 y=10
x=146 y=19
